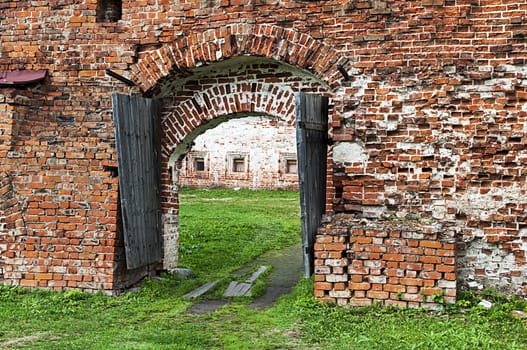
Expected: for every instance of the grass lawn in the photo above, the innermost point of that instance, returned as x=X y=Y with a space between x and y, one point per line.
x=220 y=232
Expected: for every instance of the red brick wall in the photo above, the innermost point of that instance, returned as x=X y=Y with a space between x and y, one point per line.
x=404 y=264
x=430 y=125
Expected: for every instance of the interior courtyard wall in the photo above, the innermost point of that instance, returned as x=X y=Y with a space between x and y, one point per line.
x=250 y=152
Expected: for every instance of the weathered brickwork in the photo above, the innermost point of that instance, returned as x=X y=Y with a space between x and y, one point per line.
x=236 y=88
x=248 y=152
x=428 y=123
x=404 y=264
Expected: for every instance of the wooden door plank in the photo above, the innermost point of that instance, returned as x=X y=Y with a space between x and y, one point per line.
x=137 y=142
x=311 y=120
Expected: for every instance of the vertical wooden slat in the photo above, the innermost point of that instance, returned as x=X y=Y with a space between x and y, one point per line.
x=137 y=140
x=312 y=121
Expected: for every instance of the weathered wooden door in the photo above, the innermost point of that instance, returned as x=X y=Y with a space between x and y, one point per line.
x=311 y=138
x=138 y=150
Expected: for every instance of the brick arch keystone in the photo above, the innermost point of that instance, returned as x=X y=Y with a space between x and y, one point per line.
x=266 y=40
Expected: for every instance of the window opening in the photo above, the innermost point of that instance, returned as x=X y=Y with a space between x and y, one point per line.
x=109 y=10
x=291 y=166
x=113 y=170
x=199 y=164
x=288 y=165
x=238 y=165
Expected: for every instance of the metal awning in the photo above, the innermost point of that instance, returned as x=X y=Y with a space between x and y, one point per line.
x=21 y=77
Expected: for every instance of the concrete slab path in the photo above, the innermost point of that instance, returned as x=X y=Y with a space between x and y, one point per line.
x=287 y=267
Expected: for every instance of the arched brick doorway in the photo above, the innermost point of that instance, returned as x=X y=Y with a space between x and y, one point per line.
x=237 y=70
x=238 y=87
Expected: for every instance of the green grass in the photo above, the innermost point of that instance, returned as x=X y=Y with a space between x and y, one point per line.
x=155 y=317
x=221 y=230
x=391 y=328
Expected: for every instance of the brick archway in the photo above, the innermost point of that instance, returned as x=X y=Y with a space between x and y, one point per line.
x=262 y=40
x=204 y=109
x=156 y=70
x=224 y=100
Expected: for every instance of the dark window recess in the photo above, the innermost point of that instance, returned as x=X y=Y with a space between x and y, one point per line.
x=109 y=10
x=291 y=167
x=238 y=165
x=113 y=170
x=199 y=164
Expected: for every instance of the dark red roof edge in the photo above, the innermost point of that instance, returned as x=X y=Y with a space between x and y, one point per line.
x=21 y=77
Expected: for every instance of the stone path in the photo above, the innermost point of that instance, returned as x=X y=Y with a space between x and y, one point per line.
x=240 y=289
x=287 y=268
x=201 y=290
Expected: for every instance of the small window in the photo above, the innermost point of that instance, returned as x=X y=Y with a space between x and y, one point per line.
x=196 y=163
x=291 y=167
x=109 y=10
x=199 y=164
x=238 y=165
x=288 y=165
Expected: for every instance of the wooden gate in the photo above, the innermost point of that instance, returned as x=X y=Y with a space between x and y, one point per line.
x=138 y=149
x=311 y=137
